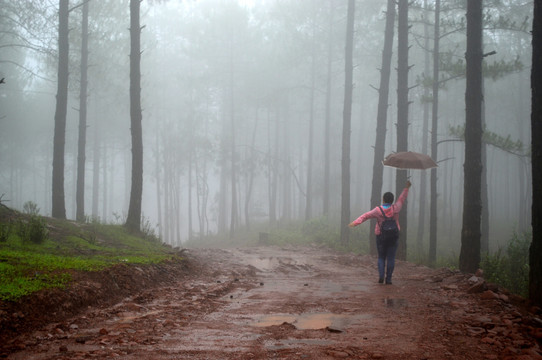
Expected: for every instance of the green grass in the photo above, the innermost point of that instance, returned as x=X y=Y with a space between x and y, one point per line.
x=27 y=266
x=509 y=267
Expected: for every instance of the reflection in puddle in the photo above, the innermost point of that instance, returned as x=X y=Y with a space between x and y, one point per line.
x=267 y=263
x=336 y=287
x=272 y=320
x=313 y=321
x=319 y=321
x=395 y=303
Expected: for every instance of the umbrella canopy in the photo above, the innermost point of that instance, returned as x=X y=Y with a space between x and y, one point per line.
x=409 y=160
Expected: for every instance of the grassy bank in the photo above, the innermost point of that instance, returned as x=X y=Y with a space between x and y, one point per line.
x=38 y=252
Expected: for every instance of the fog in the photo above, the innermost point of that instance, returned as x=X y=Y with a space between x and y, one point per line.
x=246 y=79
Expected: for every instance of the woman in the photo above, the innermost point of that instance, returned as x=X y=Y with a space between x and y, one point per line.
x=386 y=246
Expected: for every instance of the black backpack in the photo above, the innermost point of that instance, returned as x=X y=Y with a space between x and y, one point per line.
x=388 y=227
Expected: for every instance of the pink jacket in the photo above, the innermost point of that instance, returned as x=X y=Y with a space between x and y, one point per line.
x=392 y=211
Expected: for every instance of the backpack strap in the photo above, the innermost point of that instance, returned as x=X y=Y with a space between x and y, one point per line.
x=382 y=211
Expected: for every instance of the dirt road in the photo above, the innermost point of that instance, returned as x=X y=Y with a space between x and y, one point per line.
x=297 y=303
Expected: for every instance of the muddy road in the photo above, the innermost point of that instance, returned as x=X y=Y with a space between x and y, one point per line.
x=297 y=303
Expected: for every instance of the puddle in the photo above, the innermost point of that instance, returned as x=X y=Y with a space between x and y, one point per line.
x=295 y=343
x=263 y=263
x=267 y=263
x=336 y=287
x=395 y=303
x=272 y=320
x=314 y=321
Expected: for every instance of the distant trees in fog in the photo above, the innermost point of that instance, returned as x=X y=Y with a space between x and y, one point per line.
x=242 y=112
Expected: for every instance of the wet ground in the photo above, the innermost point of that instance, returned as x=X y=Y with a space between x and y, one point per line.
x=296 y=303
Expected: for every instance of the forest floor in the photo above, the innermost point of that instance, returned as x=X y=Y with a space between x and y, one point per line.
x=272 y=303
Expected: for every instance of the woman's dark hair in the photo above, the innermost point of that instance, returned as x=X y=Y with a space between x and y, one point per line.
x=388 y=198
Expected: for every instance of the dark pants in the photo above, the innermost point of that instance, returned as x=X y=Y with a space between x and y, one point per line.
x=386 y=256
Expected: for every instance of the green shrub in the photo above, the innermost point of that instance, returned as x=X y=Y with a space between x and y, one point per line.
x=34 y=230
x=510 y=269
x=5 y=231
x=147 y=229
x=31 y=208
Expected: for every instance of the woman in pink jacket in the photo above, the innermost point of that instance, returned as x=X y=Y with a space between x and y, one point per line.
x=387 y=247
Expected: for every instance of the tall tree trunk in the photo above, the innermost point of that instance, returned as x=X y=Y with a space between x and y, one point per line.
x=200 y=195
x=484 y=220
x=105 y=185
x=222 y=201
x=308 y=203
x=299 y=196
x=448 y=198
x=158 y=189
x=347 y=119
x=434 y=147
x=402 y=115
x=47 y=177
x=524 y=200
x=95 y=171
x=58 y=203
x=425 y=131
x=233 y=219
x=190 y=159
x=133 y=220
x=251 y=172
x=286 y=196
x=273 y=173
x=327 y=124
x=199 y=199
x=204 y=219
x=535 y=251
x=523 y=221
x=382 y=117
x=177 y=207
x=82 y=141
x=484 y=236
x=469 y=258
x=74 y=180
x=167 y=199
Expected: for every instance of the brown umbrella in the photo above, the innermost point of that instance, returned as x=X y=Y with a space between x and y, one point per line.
x=409 y=160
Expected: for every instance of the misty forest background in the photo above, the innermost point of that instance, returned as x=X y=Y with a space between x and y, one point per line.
x=243 y=109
